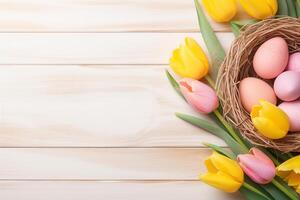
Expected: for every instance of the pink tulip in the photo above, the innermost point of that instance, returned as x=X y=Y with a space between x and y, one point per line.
x=199 y=95
x=257 y=166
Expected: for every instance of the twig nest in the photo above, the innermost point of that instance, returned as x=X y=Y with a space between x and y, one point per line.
x=238 y=65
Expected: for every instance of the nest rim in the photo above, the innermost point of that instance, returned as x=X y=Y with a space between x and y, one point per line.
x=237 y=65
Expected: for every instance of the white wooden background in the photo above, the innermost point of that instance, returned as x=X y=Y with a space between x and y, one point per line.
x=85 y=109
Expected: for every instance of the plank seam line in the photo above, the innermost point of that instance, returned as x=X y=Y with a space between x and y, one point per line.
x=112 y=32
x=103 y=180
x=95 y=147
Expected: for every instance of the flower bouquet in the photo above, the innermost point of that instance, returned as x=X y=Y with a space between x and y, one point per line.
x=252 y=96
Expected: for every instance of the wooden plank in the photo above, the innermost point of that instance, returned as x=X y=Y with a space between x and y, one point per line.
x=102 y=163
x=133 y=190
x=92 y=106
x=95 y=48
x=101 y=16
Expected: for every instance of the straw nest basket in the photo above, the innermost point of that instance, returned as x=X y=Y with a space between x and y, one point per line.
x=238 y=65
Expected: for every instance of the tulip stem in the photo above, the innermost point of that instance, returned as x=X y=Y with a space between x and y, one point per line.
x=210 y=81
x=222 y=119
x=284 y=190
x=253 y=189
x=230 y=129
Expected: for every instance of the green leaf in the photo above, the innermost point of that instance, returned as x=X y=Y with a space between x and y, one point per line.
x=250 y=195
x=174 y=83
x=282 y=8
x=258 y=187
x=254 y=191
x=214 y=47
x=220 y=150
x=215 y=130
x=281 y=186
x=235 y=29
x=279 y=156
x=237 y=26
x=291 y=8
x=297 y=6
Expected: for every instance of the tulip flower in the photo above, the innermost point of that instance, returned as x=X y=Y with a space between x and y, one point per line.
x=270 y=120
x=290 y=172
x=189 y=60
x=260 y=9
x=220 y=10
x=257 y=166
x=223 y=173
x=199 y=95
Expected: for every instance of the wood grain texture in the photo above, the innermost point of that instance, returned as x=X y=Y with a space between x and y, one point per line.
x=92 y=106
x=101 y=16
x=102 y=163
x=119 y=190
x=86 y=111
x=94 y=48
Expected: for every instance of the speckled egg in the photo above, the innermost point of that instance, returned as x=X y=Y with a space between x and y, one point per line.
x=271 y=58
x=252 y=90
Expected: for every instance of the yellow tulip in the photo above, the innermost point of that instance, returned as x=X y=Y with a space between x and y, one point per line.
x=220 y=10
x=290 y=172
x=270 y=120
x=223 y=173
x=260 y=9
x=189 y=60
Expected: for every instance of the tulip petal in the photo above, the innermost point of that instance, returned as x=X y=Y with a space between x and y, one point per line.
x=257 y=169
x=220 y=10
x=294 y=179
x=275 y=114
x=260 y=9
x=298 y=189
x=221 y=181
x=283 y=174
x=199 y=95
x=189 y=60
x=268 y=128
x=261 y=156
x=227 y=166
x=196 y=49
x=292 y=164
x=193 y=65
x=255 y=111
x=177 y=64
x=210 y=166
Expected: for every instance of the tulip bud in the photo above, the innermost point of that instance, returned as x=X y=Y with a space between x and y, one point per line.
x=257 y=166
x=223 y=173
x=199 y=95
x=260 y=9
x=220 y=10
x=189 y=60
x=290 y=172
x=270 y=120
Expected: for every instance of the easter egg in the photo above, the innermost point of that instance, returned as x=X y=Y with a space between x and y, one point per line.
x=294 y=62
x=252 y=90
x=271 y=58
x=292 y=109
x=287 y=86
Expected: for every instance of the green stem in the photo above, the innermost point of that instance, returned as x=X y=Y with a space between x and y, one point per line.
x=230 y=129
x=284 y=190
x=253 y=189
x=222 y=119
x=210 y=81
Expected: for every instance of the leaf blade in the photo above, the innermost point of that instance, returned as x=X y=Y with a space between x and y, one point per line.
x=215 y=130
x=291 y=8
x=282 y=8
x=214 y=47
